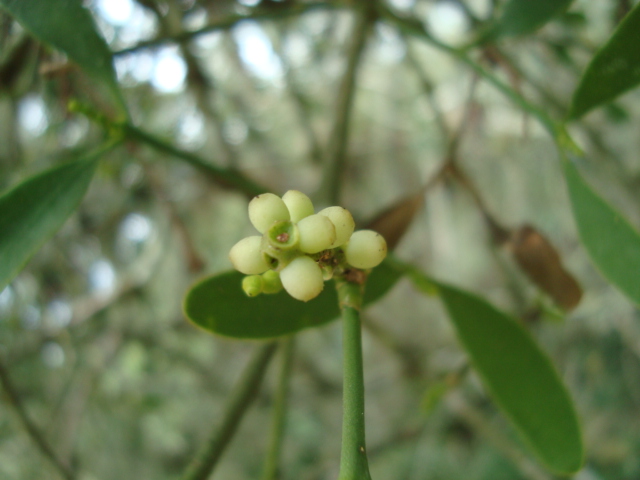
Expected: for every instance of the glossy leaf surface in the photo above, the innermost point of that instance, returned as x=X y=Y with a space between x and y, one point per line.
x=69 y=27
x=521 y=17
x=34 y=210
x=614 y=69
x=612 y=243
x=520 y=377
x=218 y=304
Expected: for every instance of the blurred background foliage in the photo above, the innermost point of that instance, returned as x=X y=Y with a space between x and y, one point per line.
x=92 y=336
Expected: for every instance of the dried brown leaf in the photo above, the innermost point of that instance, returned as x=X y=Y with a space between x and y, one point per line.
x=394 y=221
x=539 y=259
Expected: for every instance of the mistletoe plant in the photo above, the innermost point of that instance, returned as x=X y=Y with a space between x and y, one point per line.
x=299 y=250
x=279 y=286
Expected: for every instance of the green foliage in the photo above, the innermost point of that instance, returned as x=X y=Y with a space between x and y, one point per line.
x=218 y=305
x=522 y=17
x=613 y=244
x=35 y=209
x=613 y=70
x=520 y=378
x=397 y=144
x=68 y=26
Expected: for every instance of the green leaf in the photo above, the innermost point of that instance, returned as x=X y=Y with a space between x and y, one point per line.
x=520 y=377
x=218 y=305
x=34 y=210
x=521 y=17
x=69 y=27
x=614 y=69
x=612 y=243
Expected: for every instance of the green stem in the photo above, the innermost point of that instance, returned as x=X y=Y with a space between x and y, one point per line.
x=272 y=462
x=353 y=460
x=228 y=177
x=119 y=131
x=245 y=392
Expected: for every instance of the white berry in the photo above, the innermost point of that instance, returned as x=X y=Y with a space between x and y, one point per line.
x=317 y=233
x=302 y=279
x=342 y=221
x=265 y=210
x=299 y=205
x=366 y=249
x=246 y=256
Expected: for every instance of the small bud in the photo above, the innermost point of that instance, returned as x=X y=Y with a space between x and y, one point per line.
x=265 y=210
x=271 y=282
x=252 y=285
x=302 y=279
x=366 y=249
x=317 y=233
x=246 y=256
x=327 y=272
x=342 y=221
x=299 y=205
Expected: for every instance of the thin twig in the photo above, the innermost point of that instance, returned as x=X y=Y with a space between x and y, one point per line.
x=335 y=155
x=415 y=28
x=33 y=431
x=245 y=392
x=195 y=261
x=278 y=420
x=230 y=22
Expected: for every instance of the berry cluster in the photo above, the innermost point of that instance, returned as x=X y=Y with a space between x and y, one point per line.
x=300 y=249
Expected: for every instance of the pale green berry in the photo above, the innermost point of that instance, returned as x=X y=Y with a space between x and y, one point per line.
x=343 y=221
x=246 y=256
x=299 y=205
x=302 y=279
x=253 y=285
x=265 y=210
x=283 y=235
x=317 y=233
x=271 y=282
x=366 y=249
x=277 y=258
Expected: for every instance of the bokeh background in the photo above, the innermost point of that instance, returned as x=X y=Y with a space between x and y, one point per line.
x=92 y=334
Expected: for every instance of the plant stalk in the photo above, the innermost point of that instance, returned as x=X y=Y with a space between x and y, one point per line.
x=353 y=460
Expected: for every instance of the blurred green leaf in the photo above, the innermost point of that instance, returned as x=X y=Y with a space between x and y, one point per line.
x=613 y=244
x=34 y=210
x=520 y=378
x=613 y=70
x=68 y=26
x=521 y=17
x=218 y=304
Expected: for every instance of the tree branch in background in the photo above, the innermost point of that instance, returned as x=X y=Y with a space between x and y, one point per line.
x=32 y=430
x=335 y=154
x=230 y=22
x=240 y=399
x=278 y=420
